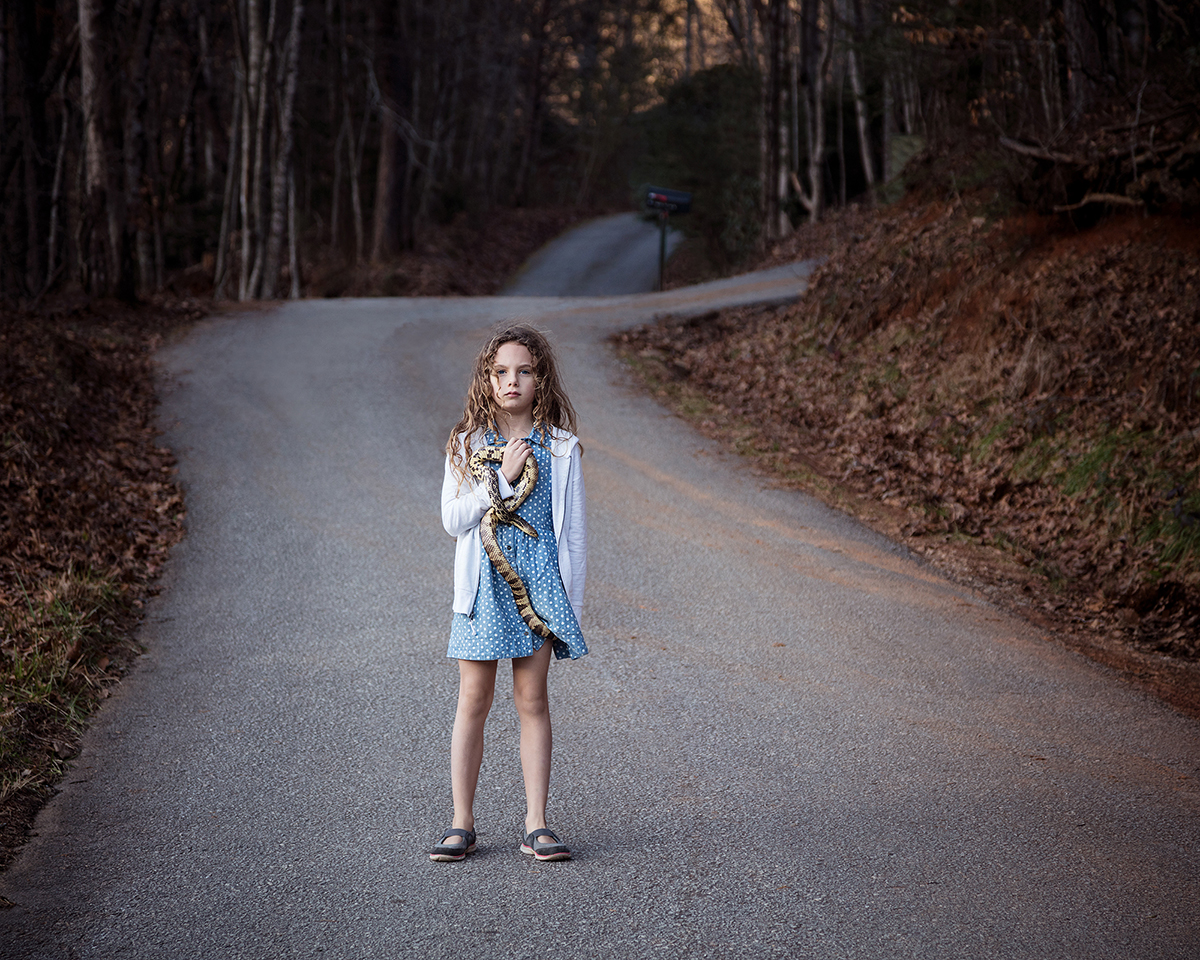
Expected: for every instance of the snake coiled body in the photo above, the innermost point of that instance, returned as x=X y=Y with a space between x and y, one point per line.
x=504 y=510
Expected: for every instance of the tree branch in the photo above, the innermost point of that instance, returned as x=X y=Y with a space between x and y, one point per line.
x=1116 y=199
x=1041 y=153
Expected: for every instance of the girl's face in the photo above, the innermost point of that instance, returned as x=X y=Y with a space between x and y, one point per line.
x=513 y=383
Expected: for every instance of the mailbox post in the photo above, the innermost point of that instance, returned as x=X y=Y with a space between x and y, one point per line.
x=666 y=202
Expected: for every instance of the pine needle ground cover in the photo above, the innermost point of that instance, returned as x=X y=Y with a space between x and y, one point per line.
x=1012 y=397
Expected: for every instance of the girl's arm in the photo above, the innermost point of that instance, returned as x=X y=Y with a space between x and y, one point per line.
x=577 y=532
x=463 y=503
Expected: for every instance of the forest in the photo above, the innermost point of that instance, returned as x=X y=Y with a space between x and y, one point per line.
x=247 y=145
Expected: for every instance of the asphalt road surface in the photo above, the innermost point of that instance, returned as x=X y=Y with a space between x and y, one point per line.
x=608 y=255
x=789 y=740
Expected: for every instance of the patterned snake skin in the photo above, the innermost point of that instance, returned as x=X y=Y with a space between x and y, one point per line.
x=504 y=510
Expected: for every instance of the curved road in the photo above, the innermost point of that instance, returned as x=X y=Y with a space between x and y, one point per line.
x=608 y=255
x=790 y=739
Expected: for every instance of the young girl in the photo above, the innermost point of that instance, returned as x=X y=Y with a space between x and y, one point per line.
x=519 y=566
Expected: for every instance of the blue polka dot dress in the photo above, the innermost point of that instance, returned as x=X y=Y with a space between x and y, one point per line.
x=494 y=630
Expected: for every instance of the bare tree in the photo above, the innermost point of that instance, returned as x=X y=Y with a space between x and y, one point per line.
x=372 y=121
x=853 y=69
x=393 y=91
x=95 y=146
x=290 y=64
x=137 y=192
x=816 y=51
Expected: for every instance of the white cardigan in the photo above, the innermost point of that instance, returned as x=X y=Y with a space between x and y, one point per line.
x=464 y=504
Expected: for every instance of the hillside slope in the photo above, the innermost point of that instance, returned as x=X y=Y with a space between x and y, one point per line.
x=1016 y=399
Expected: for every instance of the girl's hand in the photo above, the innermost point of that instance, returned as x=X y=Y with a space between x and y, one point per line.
x=516 y=452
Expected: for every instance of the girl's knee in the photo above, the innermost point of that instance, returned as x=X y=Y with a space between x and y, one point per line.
x=474 y=699
x=531 y=703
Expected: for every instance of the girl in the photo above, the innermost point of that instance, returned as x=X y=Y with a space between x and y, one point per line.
x=515 y=411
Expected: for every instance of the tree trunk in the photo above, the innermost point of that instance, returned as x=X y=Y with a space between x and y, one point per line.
x=250 y=64
x=383 y=229
x=390 y=196
x=533 y=109
x=221 y=272
x=336 y=198
x=293 y=259
x=816 y=161
x=96 y=182
x=3 y=99
x=340 y=102
x=1083 y=57
x=817 y=47
x=794 y=92
x=889 y=125
x=863 y=121
x=841 y=133
x=33 y=245
x=781 y=22
x=766 y=129
x=137 y=205
x=209 y=111
x=258 y=172
x=283 y=157
x=356 y=204
x=244 y=197
x=55 y=198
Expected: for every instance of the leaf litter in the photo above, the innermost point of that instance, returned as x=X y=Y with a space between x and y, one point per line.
x=89 y=509
x=1014 y=399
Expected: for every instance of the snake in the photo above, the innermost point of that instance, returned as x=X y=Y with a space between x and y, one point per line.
x=504 y=510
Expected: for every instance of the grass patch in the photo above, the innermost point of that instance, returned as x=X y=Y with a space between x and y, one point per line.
x=983 y=447
x=55 y=647
x=1092 y=470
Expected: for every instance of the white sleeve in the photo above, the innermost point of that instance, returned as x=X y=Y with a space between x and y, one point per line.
x=577 y=532
x=463 y=504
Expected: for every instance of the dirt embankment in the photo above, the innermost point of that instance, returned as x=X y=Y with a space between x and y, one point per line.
x=1011 y=397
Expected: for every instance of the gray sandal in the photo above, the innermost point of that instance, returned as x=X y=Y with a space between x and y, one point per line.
x=545 y=851
x=446 y=852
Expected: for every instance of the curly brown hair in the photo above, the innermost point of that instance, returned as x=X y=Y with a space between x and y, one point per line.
x=551 y=408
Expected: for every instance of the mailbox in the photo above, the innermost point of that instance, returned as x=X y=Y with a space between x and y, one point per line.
x=672 y=201
x=666 y=202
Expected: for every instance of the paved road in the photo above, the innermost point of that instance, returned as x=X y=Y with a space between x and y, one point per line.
x=790 y=739
x=608 y=255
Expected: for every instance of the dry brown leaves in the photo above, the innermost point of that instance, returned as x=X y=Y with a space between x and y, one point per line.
x=1012 y=385
x=89 y=509
x=84 y=483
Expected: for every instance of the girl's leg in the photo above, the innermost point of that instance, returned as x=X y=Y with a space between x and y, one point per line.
x=476 y=686
x=533 y=707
